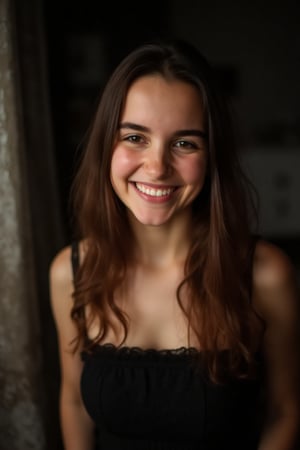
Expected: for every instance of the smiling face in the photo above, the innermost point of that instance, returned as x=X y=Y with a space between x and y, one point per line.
x=159 y=160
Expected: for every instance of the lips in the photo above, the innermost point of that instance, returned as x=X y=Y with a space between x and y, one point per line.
x=154 y=191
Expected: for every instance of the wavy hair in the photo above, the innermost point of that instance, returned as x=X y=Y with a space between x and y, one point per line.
x=218 y=266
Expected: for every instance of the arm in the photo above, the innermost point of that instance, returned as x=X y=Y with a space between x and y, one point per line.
x=276 y=299
x=77 y=427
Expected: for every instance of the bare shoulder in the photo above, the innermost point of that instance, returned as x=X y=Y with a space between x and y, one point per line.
x=61 y=272
x=60 y=268
x=274 y=279
x=61 y=286
x=272 y=266
x=61 y=280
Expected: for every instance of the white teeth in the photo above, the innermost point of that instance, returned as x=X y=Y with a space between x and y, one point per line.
x=153 y=192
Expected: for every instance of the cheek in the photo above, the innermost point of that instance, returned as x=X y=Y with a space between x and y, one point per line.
x=122 y=163
x=194 y=170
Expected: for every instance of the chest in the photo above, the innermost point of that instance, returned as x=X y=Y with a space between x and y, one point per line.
x=155 y=317
x=153 y=293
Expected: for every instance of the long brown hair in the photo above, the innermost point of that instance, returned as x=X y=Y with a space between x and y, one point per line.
x=217 y=270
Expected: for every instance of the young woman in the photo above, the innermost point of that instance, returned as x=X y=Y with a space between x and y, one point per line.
x=178 y=328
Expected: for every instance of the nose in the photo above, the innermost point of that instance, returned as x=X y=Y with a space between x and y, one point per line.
x=157 y=163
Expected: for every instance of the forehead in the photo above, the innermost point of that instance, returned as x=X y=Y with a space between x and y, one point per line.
x=154 y=98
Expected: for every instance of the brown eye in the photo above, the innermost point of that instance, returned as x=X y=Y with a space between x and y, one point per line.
x=185 y=146
x=133 y=138
x=183 y=143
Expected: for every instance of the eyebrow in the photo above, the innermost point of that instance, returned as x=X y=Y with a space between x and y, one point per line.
x=188 y=132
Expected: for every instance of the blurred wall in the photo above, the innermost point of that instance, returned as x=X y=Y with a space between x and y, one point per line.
x=21 y=415
x=31 y=233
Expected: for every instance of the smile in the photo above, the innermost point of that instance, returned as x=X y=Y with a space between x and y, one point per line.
x=152 y=192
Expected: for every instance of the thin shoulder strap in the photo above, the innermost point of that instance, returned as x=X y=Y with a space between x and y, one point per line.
x=75 y=259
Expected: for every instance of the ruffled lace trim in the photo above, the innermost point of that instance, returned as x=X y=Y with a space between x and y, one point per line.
x=138 y=353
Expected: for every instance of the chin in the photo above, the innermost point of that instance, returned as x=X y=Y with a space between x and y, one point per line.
x=151 y=221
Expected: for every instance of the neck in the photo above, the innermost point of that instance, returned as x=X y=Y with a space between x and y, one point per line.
x=164 y=245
